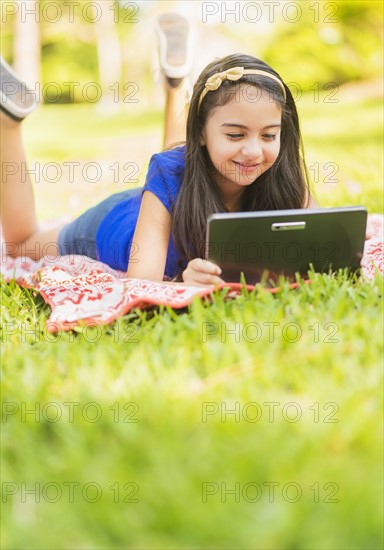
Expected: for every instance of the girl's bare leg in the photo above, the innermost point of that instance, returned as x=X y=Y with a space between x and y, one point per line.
x=175 y=114
x=18 y=215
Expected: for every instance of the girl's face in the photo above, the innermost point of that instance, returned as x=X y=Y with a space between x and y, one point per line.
x=242 y=139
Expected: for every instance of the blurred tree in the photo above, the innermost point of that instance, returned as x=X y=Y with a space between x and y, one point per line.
x=60 y=42
x=109 y=53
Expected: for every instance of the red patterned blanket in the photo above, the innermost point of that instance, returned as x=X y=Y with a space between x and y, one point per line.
x=81 y=290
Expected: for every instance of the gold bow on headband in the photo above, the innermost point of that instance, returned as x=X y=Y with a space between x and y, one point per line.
x=215 y=81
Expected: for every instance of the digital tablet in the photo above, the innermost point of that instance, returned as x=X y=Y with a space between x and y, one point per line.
x=265 y=245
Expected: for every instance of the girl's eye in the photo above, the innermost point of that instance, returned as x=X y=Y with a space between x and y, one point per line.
x=269 y=137
x=235 y=136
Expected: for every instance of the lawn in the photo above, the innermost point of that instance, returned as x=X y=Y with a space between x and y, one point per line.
x=247 y=423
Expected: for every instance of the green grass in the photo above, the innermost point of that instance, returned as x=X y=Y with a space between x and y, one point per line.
x=137 y=415
x=80 y=131
x=309 y=414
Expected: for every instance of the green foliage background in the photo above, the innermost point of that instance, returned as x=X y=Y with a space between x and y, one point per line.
x=331 y=42
x=345 y=44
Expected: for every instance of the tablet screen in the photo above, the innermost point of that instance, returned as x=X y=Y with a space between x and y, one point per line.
x=266 y=245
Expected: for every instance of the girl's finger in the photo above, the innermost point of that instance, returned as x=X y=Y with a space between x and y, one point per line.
x=204 y=266
x=200 y=278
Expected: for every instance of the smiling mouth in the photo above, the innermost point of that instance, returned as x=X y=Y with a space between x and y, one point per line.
x=247 y=166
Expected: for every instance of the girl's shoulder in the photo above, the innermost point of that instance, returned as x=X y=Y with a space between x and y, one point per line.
x=165 y=175
x=171 y=160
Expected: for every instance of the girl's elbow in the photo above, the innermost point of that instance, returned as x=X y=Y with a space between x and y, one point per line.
x=135 y=271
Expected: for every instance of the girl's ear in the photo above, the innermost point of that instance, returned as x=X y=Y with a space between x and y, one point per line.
x=202 y=140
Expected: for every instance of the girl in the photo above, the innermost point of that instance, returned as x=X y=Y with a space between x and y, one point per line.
x=242 y=153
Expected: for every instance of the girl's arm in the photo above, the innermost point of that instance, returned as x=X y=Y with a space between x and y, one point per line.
x=150 y=245
x=150 y=240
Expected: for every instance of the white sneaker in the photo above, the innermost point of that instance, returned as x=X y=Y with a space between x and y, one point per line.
x=175 y=47
x=16 y=100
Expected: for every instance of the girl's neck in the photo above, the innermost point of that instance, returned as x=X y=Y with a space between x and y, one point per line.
x=234 y=203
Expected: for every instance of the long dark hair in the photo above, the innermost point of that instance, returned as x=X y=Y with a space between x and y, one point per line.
x=284 y=185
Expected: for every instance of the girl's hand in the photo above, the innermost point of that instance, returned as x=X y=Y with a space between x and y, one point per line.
x=202 y=273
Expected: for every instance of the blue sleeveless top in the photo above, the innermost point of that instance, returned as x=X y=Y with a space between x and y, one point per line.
x=115 y=233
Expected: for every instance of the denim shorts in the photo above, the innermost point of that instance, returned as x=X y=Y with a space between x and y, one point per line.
x=79 y=236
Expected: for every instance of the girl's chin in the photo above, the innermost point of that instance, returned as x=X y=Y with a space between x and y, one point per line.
x=240 y=183
x=240 y=180
x=247 y=180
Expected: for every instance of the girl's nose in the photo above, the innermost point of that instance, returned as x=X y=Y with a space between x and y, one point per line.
x=252 y=149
